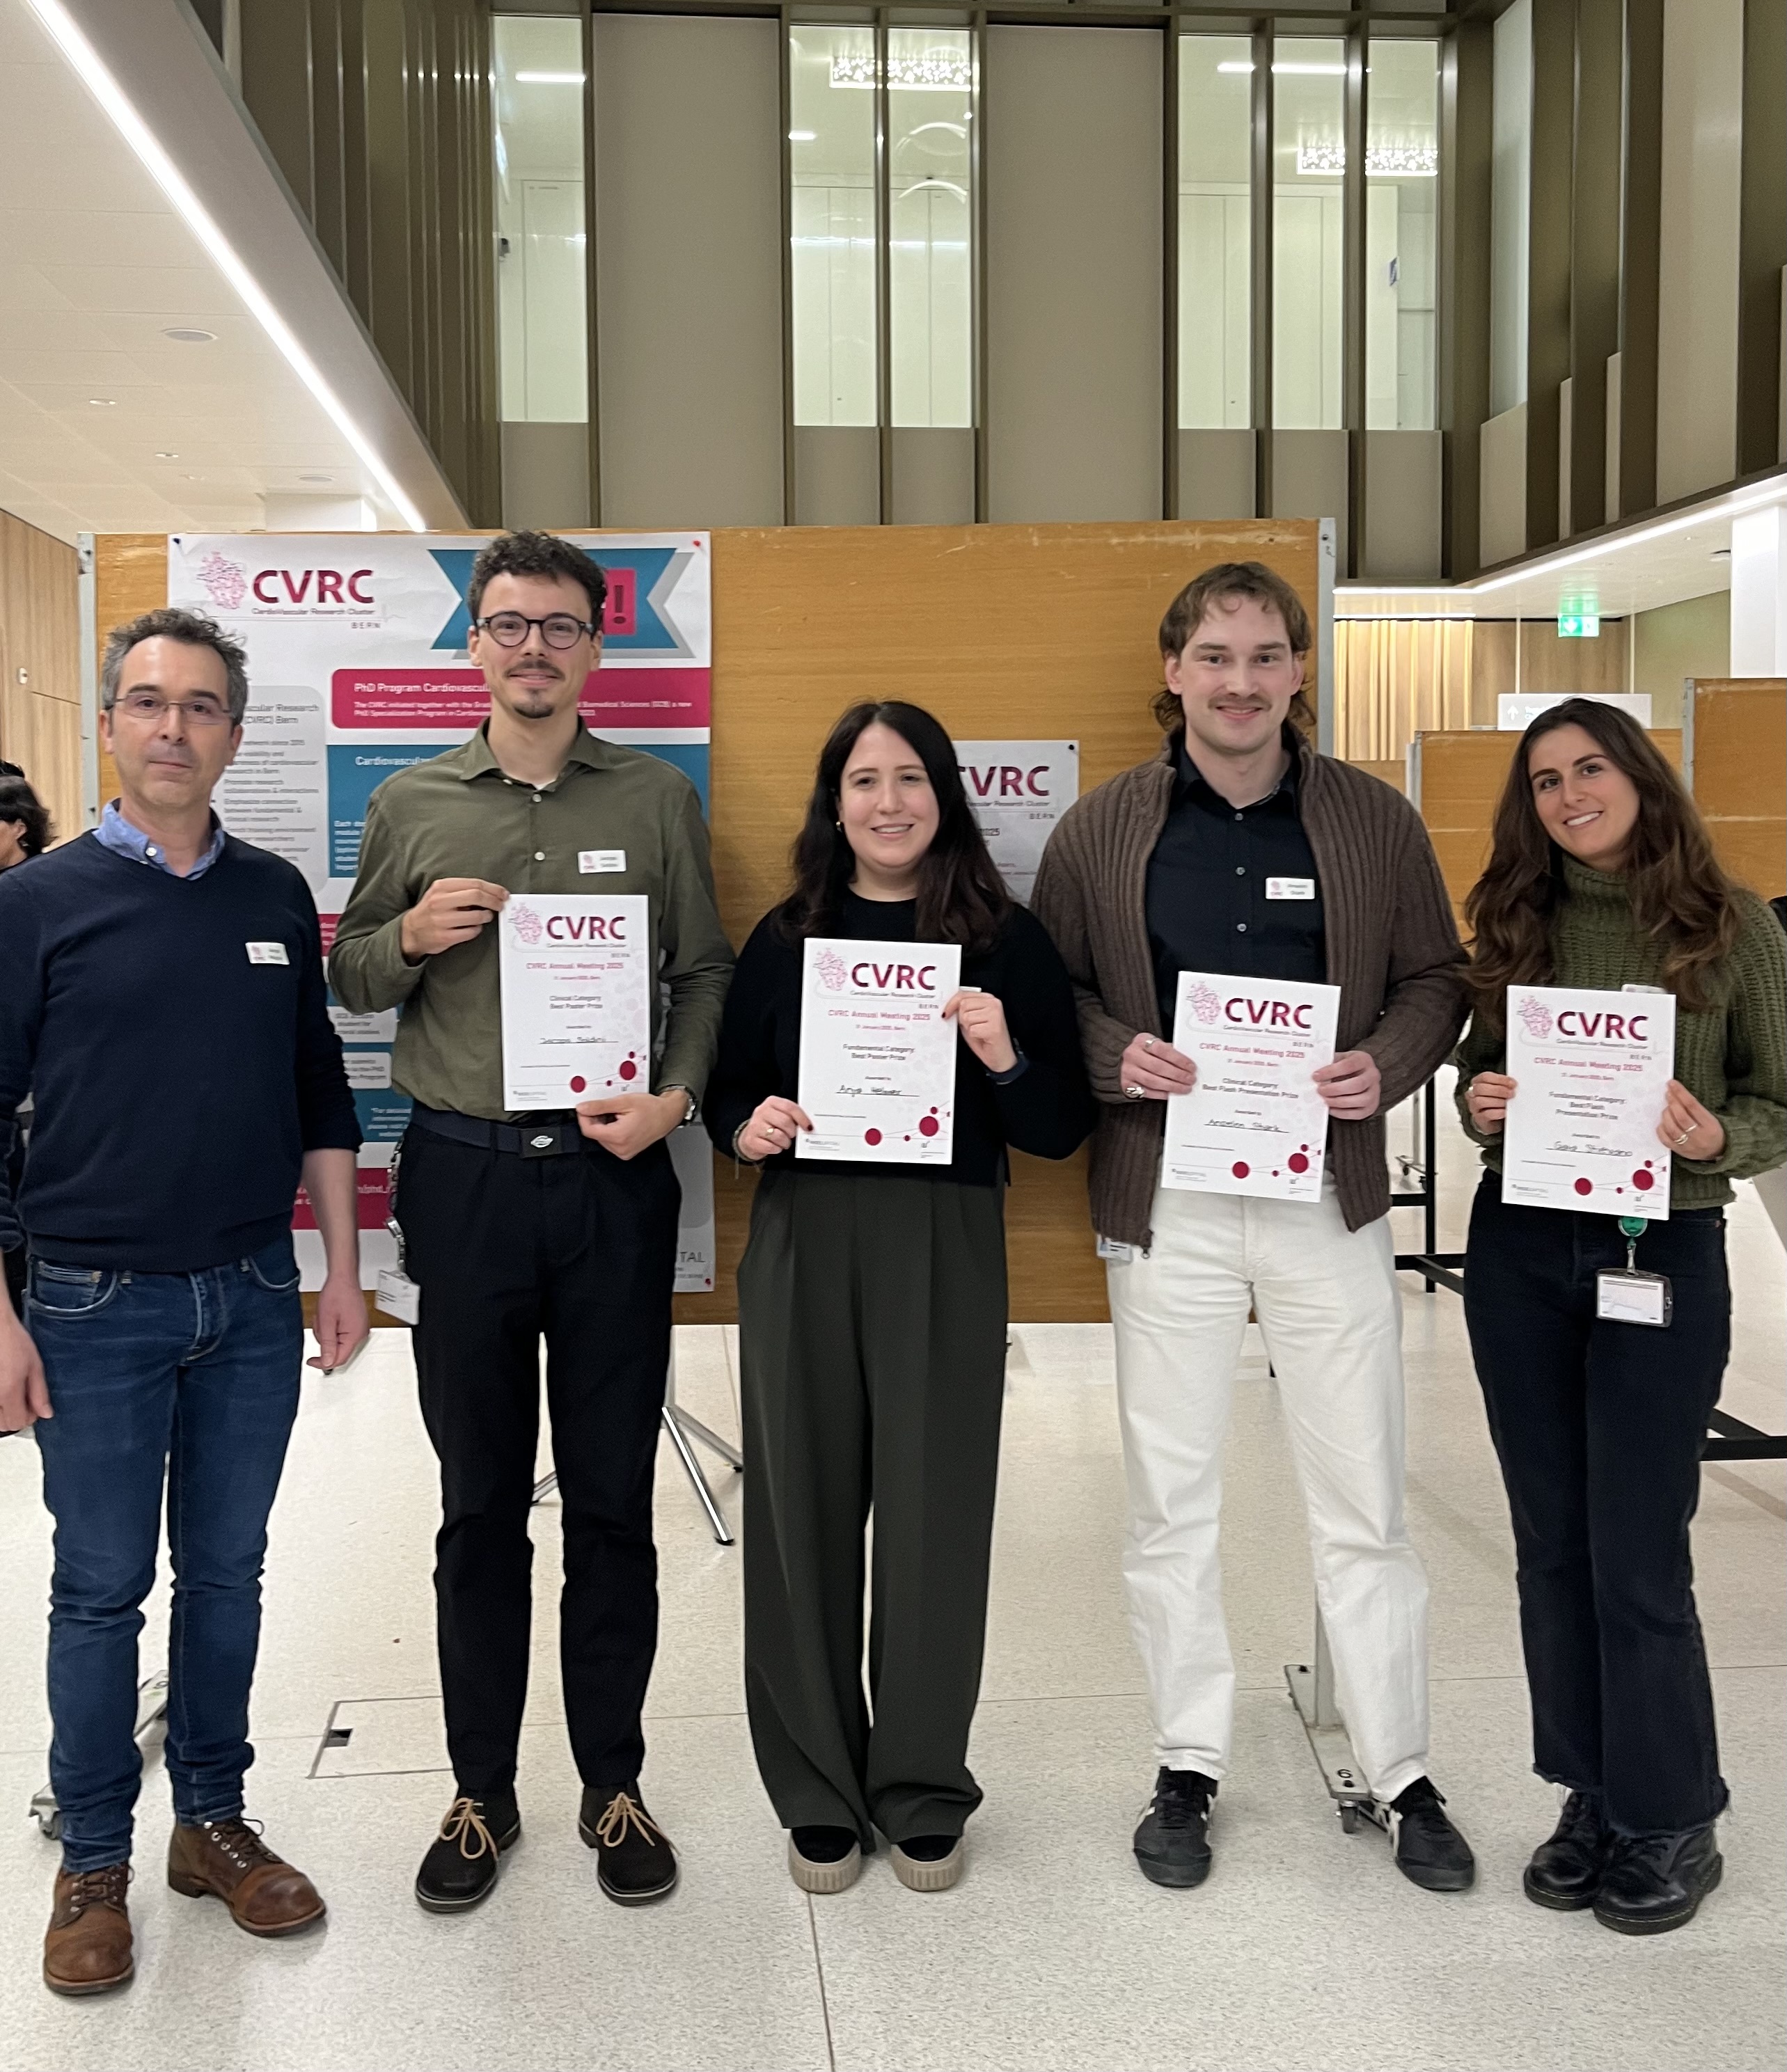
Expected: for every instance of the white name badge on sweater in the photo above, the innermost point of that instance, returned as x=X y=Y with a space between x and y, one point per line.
x=590 y=861
x=1289 y=888
x=266 y=953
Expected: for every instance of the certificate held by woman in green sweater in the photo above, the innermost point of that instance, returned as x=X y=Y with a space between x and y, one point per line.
x=1592 y=1071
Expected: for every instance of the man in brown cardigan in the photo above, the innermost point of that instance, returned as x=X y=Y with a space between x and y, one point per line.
x=1237 y=850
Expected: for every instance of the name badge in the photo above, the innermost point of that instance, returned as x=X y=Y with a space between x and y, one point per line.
x=1289 y=888
x=591 y=860
x=266 y=953
x=1634 y=1298
x=1112 y=1248
x=397 y=1295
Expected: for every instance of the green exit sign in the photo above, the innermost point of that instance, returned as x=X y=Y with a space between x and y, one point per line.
x=1579 y=626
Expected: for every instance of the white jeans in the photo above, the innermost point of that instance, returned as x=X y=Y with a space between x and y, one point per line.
x=1331 y=1314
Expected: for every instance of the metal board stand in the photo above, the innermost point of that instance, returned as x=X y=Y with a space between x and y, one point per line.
x=1420 y=1165
x=1312 y=1688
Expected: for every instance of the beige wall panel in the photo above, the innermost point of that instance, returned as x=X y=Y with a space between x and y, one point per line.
x=1677 y=641
x=1073 y=273
x=1216 y=473
x=837 y=474
x=1403 y=494
x=1571 y=667
x=1740 y=776
x=1698 y=245
x=545 y=475
x=1501 y=487
x=1309 y=480
x=933 y=474
x=689 y=270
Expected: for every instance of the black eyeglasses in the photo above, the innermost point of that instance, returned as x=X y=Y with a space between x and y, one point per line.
x=558 y=629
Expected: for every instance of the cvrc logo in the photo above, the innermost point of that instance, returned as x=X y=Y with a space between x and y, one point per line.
x=312 y=585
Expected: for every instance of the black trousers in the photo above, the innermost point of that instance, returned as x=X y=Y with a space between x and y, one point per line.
x=1598 y=1427
x=579 y=1250
x=872 y=1339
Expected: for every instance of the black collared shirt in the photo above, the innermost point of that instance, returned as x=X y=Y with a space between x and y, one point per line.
x=1233 y=890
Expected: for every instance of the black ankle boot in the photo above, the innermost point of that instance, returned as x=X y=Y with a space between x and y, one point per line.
x=1566 y=1871
x=1656 y=1882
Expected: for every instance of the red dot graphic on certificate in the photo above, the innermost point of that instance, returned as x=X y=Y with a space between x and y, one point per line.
x=579 y=1084
x=628 y=1069
x=872 y=1136
x=1644 y=1178
x=1585 y=1186
x=1297 y=1163
x=1240 y=1169
x=928 y=1125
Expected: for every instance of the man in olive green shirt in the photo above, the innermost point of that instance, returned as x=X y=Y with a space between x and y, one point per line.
x=561 y=1225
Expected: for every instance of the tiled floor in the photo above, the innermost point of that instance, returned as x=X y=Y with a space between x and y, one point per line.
x=1305 y=1949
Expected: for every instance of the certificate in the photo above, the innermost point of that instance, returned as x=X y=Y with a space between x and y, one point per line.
x=577 y=1020
x=1591 y=1072
x=1254 y=1123
x=878 y=1060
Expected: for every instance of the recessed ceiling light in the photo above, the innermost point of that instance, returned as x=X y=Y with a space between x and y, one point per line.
x=167 y=456
x=186 y=335
x=549 y=79
x=103 y=402
x=316 y=477
x=803 y=136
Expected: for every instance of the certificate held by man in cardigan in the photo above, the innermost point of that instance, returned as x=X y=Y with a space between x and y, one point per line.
x=1591 y=1072
x=878 y=1060
x=1254 y=1123
x=577 y=1016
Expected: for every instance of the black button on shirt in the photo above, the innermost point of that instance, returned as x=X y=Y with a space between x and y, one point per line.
x=1207 y=903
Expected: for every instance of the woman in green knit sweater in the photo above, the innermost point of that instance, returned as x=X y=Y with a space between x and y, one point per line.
x=1601 y=875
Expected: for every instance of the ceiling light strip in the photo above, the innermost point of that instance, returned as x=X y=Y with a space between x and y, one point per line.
x=136 y=132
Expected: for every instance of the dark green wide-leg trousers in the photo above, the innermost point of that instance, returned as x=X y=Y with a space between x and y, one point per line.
x=871 y=1334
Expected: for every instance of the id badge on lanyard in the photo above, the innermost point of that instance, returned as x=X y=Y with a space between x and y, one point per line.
x=1630 y=1296
x=397 y=1294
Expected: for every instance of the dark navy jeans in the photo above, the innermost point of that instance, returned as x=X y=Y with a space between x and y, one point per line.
x=191 y=1376
x=1599 y=1426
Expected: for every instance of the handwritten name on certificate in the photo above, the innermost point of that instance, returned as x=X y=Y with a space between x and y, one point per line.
x=1253 y=1123
x=577 y=1017
x=1591 y=1072
x=878 y=1060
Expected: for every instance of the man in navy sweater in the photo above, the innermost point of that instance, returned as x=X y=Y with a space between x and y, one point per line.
x=162 y=996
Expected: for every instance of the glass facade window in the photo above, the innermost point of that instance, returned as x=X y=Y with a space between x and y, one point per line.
x=1402 y=239
x=542 y=299
x=831 y=132
x=930 y=115
x=1216 y=132
x=1308 y=231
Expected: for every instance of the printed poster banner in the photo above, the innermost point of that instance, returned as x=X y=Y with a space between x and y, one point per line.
x=358 y=667
x=1018 y=790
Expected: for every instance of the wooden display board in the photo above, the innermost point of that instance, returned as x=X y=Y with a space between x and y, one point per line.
x=1736 y=734
x=1030 y=632
x=1457 y=777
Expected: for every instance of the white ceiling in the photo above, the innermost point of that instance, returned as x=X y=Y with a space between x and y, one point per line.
x=107 y=425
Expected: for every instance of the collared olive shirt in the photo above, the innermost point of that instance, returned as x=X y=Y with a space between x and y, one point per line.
x=460 y=816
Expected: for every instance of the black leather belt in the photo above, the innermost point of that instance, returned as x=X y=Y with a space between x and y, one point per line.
x=549 y=1136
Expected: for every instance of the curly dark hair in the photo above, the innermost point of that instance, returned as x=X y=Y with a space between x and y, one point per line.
x=961 y=897
x=19 y=802
x=537 y=554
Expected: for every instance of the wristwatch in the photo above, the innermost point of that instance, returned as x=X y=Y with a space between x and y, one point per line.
x=691 y=1107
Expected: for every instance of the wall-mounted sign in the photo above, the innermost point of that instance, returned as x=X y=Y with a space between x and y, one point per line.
x=1579 y=626
x=1516 y=712
x=1018 y=790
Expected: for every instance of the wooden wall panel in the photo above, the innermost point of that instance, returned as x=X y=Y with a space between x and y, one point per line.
x=40 y=637
x=1740 y=733
x=1031 y=631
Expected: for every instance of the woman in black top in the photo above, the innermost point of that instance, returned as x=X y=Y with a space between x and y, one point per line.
x=872 y=1317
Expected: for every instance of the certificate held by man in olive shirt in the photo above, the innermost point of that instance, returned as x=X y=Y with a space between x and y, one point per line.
x=576 y=998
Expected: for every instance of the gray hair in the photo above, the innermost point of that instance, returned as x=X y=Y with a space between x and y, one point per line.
x=171 y=622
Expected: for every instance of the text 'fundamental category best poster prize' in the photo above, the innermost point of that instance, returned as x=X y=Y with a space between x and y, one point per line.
x=1591 y=1072
x=878 y=1060
x=1254 y=1123
x=577 y=1020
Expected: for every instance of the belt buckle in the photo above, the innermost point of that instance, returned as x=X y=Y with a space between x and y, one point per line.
x=542 y=1140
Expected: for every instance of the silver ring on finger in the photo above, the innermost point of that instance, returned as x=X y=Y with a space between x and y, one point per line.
x=1132 y=1093
x=1147 y=1043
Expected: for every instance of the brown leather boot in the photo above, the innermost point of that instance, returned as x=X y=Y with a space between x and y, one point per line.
x=264 y=1894
x=87 y=1948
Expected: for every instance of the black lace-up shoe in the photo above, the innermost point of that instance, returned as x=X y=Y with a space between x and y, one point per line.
x=1429 y=1850
x=635 y=1862
x=462 y=1864
x=1172 y=1844
x=1656 y=1882
x=1566 y=1871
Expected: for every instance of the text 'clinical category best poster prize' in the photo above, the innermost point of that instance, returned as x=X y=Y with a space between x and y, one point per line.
x=577 y=1020
x=1591 y=1071
x=878 y=1060
x=1254 y=1123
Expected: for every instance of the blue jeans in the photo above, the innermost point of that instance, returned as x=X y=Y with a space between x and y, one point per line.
x=195 y=1376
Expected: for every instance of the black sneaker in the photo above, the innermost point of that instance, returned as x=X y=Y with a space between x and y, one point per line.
x=461 y=1865
x=1656 y=1882
x=824 y=1859
x=1172 y=1844
x=1429 y=1850
x=635 y=1862
x=1566 y=1871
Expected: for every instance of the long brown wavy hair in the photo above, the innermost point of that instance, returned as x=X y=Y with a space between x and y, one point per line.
x=961 y=897
x=1680 y=898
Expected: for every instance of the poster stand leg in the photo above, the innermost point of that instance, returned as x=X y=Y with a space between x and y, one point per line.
x=1312 y=1688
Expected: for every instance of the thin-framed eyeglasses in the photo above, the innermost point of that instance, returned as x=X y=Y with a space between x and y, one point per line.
x=149 y=706
x=557 y=629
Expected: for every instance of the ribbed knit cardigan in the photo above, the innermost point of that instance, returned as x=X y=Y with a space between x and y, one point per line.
x=1392 y=948
x=1732 y=1059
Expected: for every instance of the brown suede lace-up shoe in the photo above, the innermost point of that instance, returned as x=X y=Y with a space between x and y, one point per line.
x=264 y=1894
x=87 y=1947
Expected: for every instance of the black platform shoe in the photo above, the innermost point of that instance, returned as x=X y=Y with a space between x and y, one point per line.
x=1654 y=1883
x=1566 y=1871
